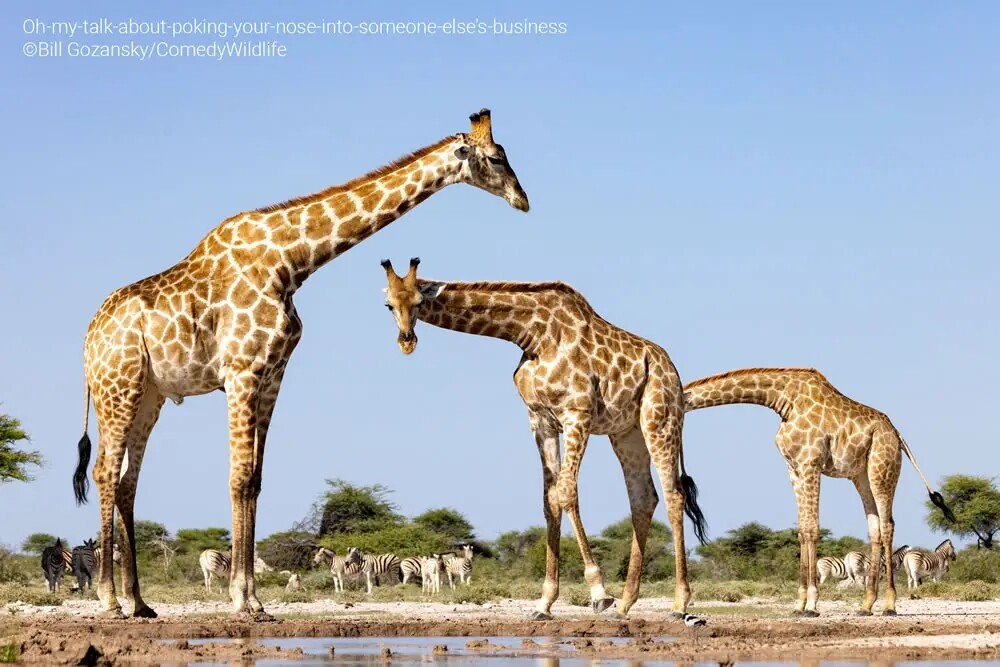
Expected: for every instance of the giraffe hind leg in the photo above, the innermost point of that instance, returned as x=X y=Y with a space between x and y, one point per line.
x=883 y=473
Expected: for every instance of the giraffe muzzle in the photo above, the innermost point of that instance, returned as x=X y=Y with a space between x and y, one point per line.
x=407 y=342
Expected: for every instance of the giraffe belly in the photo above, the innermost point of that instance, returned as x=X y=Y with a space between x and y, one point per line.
x=176 y=384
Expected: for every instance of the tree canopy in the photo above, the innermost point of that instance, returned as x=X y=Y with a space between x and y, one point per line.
x=36 y=542
x=446 y=521
x=196 y=540
x=14 y=461
x=347 y=508
x=976 y=504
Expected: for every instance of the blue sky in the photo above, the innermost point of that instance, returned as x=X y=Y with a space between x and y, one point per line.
x=766 y=184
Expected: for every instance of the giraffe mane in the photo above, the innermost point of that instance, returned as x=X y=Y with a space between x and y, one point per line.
x=751 y=371
x=398 y=163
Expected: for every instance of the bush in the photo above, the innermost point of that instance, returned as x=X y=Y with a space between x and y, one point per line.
x=407 y=540
x=12 y=568
x=973 y=564
x=288 y=550
x=978 y=591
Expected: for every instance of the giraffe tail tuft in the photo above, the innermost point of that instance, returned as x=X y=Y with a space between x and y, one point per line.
x=80 y=481
x=692 y=509
x=938 y=500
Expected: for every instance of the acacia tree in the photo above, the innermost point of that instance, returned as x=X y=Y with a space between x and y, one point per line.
x=975 y=502
x=13 y=461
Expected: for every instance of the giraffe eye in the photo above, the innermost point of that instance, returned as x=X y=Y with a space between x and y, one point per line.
x=495 y=160
x=389 y=306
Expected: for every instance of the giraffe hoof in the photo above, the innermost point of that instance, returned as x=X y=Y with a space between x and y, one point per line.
x=144 y=612
x=261 y=616
x=113 y=613
x=677 y=614
x=810 y=614
x=863 y=612
x=888 y=612
x=797 y=612
x=600 y=605
x=541 y=616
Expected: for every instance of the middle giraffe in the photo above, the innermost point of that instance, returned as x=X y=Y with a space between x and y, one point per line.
x=823 y=432
x=580 y=376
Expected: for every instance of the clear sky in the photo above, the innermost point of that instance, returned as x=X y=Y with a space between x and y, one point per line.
x=748 y=184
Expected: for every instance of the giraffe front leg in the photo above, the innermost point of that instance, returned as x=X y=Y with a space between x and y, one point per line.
x=806 y=483
x=547 y=441
x=634 y=459
x=577 y=434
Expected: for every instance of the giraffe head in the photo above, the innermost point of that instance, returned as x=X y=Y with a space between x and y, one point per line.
x=489 y=169
x=403 y=296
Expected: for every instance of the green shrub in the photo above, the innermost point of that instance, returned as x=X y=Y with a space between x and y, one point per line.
x=978 y=591
x=9 y=652
x=406 y=540
x=976 y=564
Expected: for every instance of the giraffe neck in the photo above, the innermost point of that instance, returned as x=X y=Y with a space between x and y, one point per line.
x=509 y=311
x=307 y=232
x=760 y=386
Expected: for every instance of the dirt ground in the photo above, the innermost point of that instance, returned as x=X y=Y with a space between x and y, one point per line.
x=751 y=630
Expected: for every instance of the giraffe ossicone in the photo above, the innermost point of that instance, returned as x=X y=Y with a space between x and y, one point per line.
x=578 y=376
x=223 y=318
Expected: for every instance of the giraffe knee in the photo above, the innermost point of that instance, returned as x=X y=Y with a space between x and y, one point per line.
x=567 y=496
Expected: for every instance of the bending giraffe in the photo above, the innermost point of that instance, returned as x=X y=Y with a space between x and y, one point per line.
x=580 y=376
x=223 y=319
x=823 y=432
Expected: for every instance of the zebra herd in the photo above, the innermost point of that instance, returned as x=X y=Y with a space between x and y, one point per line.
x=218 y=563
x=82 y=562
x=855 y=566
x=357 y=563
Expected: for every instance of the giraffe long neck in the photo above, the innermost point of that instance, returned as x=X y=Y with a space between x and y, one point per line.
x=767 y=387
x=486 y=309
x=297 y=238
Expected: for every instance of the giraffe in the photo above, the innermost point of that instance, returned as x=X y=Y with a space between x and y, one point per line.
x=223 y=319
x=579 y=376
x=823 y=432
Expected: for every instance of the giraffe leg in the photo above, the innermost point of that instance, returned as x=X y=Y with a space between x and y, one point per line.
x=805 y=482
x=875 y=538
x=547 y=440
x=577 y=433
x=149 y=412
x=265 y=409
x=242 y=394
x=634 y=458
x=116 y=414
x=662 y=431
x=883 y=473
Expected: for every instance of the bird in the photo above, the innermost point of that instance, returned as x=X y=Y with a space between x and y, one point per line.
x=692 y=621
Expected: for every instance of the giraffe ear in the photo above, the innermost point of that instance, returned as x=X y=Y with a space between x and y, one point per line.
x=463 y=153
x=431 y=290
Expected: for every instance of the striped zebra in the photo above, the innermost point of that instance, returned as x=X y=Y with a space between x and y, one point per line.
x=85 y=566
x=410 y=567
x=430 y=573
x=53 y=565
x=459 y=566
x=340 y=567
x=831 y=567
x=374 y=566
x=116 y=554
x=920 y=565
x=858 y=564
x=214 y=562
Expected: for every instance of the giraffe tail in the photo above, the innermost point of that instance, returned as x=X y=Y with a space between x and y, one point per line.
x=936 y=497
x=80 y=481
x=691 y=507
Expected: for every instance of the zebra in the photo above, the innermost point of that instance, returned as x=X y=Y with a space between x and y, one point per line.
x=53 y=565
x=116 y=554
x=459 y=566
x=375 y=565
x=858 y=564
x=831 y=567
x=85 y=564
x=339 y=566
x=215 y=562
x=430 y=573
x=410 y=567
x=934 y=565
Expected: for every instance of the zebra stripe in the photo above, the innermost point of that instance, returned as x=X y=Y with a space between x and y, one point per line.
x=373 y=565
x=214 y=562
x=459 y=566
x=858 y=564
x=831 y=567
x=430 y=573
x=85 y=565
x=53 y=565
x=339 y=566
x=934 y=565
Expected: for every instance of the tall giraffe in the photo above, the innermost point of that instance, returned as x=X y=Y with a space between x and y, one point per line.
x=823 y=432
x=222 y=318
x=580 y=376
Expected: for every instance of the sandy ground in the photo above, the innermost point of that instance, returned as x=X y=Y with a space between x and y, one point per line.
x=750 y=630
